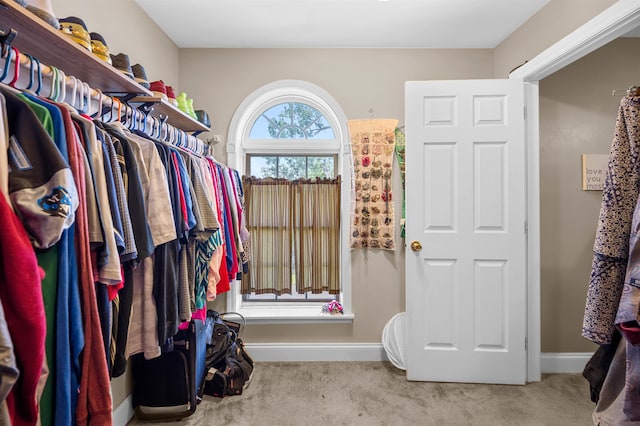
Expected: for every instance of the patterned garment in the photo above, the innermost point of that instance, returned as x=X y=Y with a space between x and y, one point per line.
x=130 y=251
x=619 y=402
x=611 y=247
x=630 y=297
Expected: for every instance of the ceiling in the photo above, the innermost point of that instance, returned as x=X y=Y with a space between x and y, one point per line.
x=339 y=23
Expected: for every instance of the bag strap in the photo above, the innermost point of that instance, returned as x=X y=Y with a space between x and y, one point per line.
x=243 y=320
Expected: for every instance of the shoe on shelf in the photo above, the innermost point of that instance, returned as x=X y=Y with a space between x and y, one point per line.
x=99 y=47
x=140 y=76
x=171 y=94
x=190 y=112
x=121 y=63
x=203 y=117
x=159 y=89
x=181 y=99
x=75 y=28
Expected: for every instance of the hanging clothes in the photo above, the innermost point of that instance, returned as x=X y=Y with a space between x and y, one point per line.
x=44 y=197
x=134 y=236
x=613 y=298
x=611 y=247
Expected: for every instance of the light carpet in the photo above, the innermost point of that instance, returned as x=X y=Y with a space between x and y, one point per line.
x=376 y=393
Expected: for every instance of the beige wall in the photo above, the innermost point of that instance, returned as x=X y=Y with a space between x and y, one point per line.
x=359 y=79
x=127 y=29
x=553 y=22
x=577 y=116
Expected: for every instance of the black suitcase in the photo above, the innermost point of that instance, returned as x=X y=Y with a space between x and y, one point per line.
x=170 y=386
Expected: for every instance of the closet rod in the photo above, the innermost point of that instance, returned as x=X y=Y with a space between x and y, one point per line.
x=92 y=101
x=633 y=90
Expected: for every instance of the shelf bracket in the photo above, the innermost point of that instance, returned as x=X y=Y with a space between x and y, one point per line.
x=146 y=107
x=127 y=97
x=6 y=38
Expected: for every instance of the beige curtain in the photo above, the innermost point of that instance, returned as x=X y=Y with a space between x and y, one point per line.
x=295 y=235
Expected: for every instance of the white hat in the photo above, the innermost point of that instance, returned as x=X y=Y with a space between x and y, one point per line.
x=43 y=10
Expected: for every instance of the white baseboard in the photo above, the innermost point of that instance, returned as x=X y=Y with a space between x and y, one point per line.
x=564 y=362
x=123 y=412
x=274 y=352
x=550 y=362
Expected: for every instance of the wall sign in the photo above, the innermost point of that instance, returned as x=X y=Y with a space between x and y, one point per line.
x=594 y=171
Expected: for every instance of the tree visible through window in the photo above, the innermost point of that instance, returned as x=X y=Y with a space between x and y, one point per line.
x=291 y=120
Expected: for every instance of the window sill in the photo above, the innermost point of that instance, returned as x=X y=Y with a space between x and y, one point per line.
x=278 y=314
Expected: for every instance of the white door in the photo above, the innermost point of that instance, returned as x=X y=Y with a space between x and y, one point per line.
x=466 y=207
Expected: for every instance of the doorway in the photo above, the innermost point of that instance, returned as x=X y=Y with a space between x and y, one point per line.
x=614 y=22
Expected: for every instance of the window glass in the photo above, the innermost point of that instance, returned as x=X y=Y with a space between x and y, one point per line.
x=291 y=120
x=292 y=166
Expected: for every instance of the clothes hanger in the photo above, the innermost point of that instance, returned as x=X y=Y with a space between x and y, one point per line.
x=131 y=118
x=16 y=69
x=39 y=67
x=139 y=119
x=172 y=135
x=136 y=118
x=160 y=123
x=7 y=63
x=163 y=132
x=159 y=130
x=142 y=126
x=123 y=113
x=181 y=137
x=99 y=110
x=152 y=130
x=144 y=122
x=62 y=87
x=73 y=93
x=119 y=118
x=32 y=71
x=84 y=100
x=112 y=114
x=103 y=118
x=54 y=83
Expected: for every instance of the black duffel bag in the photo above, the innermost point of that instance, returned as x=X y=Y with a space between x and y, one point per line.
x=229 y=366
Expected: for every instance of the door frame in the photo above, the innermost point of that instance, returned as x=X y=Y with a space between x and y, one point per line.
x=618 y=19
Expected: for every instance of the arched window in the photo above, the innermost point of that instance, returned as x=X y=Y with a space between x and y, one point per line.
x=293 y=129
x=291 y=120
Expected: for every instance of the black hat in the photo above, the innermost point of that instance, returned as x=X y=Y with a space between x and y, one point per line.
x=140 y=76
x=122 y=64
x=203 y=117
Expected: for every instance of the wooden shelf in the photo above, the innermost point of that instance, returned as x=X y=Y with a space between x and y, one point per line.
x=52 y=47
x=176 y=118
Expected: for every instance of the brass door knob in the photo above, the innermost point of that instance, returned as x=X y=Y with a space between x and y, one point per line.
x=416 y=246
